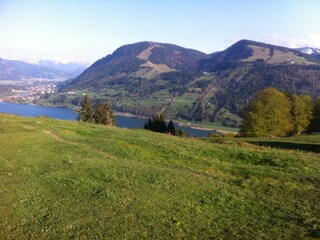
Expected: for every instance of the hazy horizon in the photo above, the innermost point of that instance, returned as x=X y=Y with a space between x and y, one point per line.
x=85 y=31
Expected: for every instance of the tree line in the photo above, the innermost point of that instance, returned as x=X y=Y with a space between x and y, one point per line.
x=158 y=124
x=101 y=114
x=272 y=113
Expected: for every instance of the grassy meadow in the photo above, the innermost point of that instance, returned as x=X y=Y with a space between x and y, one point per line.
x=305 y=142
x=72 y=180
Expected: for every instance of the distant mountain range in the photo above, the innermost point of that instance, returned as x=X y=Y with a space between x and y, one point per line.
x=45 y=69
x=147 y=78
x=73 y=68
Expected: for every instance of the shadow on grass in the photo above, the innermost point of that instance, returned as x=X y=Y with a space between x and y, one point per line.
x=310 y=147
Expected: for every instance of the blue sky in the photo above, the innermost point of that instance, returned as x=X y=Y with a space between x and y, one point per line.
x=87 y=30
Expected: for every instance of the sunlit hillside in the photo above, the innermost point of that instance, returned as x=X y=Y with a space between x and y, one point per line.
x=72 y=180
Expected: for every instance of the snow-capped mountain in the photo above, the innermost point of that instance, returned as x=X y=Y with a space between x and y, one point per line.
x=40 y=69
x=74 y=68
x=309 y=50
x=19 y=70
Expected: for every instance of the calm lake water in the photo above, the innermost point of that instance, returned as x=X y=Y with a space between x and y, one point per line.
x=67 y=114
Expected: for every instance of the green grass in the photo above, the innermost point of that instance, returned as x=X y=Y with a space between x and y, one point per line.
x=277 y=58
x=305 y=138
x=310 y=147
x=71 y=180
x=211 y=125
x=304 y=142
x=309 y=143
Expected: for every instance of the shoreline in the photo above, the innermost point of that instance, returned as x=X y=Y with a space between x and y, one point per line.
x=130 y=115
x=181 y=124
x=192 y=125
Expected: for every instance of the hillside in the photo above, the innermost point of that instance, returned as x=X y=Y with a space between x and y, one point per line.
x=247 y=67
x=71 y=180
x=148 y=78
x=139 y=60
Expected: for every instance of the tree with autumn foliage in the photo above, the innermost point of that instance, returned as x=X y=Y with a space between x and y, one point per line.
x=302 y=110
x=314 y=125
x=267 y=115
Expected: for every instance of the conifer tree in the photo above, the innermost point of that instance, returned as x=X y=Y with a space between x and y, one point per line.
x=170 y=128
x=160 y=124
x=104 y=115
x=87 y=111
x=148 y=125
x=112 y=119
x=156 y=124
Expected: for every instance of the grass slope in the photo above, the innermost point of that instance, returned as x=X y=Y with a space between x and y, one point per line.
x=304 y=142
x=71 y=180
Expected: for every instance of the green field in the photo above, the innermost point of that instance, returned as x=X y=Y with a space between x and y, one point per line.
x=306 y=142
x=71 y=180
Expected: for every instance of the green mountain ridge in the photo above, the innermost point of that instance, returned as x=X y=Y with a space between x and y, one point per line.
x=143 y=59
x=148 y=78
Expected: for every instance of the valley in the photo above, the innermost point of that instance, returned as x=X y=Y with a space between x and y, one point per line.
x=45 y=94
x=149 y=78
x=160 y=120
x=26 y=91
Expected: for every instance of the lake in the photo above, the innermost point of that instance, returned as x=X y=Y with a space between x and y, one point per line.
x=67 y=114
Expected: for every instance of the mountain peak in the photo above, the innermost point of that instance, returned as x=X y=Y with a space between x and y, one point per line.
x=260 y=44
x=246 y=51
x=309 y=50
x=148 y=78
x=146 y=59
x=245 y=42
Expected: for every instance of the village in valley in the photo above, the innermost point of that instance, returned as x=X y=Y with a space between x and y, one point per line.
x=27 y=91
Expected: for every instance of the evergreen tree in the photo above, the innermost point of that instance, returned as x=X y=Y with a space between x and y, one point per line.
x=302 y=108
x=156 y=124
x=170 y=128
x=87 y=111
x=267 y=115
x=159 y=124
x=111 y=115
x=148 y=125
x=104 y=115
x=98 y=114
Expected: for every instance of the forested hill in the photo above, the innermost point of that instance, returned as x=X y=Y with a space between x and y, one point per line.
x=247 y=51
x=138 y=60
x=147 y=78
